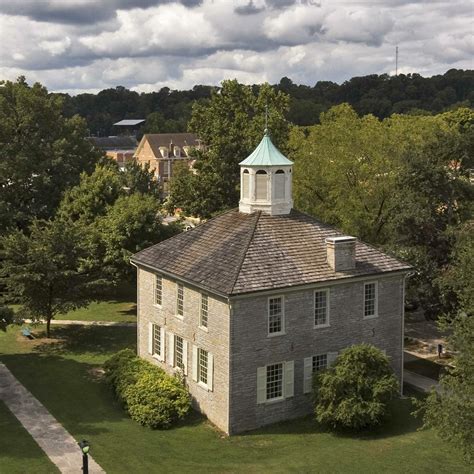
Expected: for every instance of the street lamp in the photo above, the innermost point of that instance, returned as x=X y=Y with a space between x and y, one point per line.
x=84 y=445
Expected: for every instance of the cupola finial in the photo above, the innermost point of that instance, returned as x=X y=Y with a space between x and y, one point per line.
x=266 y=118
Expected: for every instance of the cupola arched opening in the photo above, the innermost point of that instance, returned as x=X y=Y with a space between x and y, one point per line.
x=245 y=184
x=280 y=179
x=261 y=192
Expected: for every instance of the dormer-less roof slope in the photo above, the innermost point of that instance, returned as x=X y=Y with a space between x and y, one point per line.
x=238 y=253
x=266 y=154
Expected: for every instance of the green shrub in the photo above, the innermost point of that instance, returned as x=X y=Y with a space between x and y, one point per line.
x=157 y=402
x=354 y=392
x=151 y=397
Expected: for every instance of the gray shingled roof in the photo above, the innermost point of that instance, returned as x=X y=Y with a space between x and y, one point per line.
x=164 y=139
x=237 y=253
x=114 y=143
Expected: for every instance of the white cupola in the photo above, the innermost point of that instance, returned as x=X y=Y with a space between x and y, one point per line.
x=265 y=180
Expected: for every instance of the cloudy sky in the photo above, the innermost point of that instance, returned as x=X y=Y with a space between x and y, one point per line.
x=89 y=45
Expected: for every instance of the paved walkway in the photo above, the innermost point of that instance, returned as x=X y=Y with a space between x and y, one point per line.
x=53 y=439
x=73 y=322
x=420 y=382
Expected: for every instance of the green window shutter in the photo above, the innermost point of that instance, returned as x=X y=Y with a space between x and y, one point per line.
x=308 y=374
x=288 y=378
x=150 y=338
x=161 y=355
x=210 y=371
x=171 y=349
x=332 y=356
x=261 y=384
x=195 y=363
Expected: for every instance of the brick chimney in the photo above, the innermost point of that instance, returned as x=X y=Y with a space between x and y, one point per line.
x=341 y=253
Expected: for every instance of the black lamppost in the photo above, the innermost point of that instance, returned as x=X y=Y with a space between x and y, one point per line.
x=84 y=445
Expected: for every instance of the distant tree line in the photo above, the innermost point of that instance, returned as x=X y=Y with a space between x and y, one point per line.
x=382 y=95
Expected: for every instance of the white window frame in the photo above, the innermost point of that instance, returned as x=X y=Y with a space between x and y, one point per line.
x=151 y=341
x=155 y=287
x=179 y=287
x=376 y=300
x=328 y=303
x=308 y=372
x=209 y=386
x=282 y=332
x=288 y=371
x=204 y=327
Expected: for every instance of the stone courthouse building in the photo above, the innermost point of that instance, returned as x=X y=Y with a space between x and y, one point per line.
x=251 y=303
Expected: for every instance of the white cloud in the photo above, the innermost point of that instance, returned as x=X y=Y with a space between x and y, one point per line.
x=147 y=44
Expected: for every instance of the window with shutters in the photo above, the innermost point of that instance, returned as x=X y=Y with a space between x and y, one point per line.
x=370 y=300
x=274 y=381
x=179 y=299
x=158 y=290
x=178 y=352
x=276 y=320
x=321 y=308
x=204 y=311
x=320 y=362
x=203 y=359
x=157 y=343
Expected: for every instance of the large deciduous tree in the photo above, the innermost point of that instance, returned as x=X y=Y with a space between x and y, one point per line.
x=42 y=153
x=230 y=124
x=46 y=272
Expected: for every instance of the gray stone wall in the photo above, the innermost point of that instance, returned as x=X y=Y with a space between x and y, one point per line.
x=215 y=340
x=252 y=348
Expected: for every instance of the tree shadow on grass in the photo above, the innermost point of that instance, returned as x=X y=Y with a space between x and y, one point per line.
x=129 y=312
x=399 y=422
x=101 y=340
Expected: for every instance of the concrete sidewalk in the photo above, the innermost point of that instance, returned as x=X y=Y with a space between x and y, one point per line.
x=420 y=382
x=50 y=435
x=73 y=322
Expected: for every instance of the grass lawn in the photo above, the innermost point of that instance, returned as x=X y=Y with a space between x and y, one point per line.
x=62 y=375
x=19 y=452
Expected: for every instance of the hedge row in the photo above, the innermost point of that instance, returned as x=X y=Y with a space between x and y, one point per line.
x=151 y=396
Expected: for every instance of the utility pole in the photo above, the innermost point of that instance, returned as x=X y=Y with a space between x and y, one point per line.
x=396 y=60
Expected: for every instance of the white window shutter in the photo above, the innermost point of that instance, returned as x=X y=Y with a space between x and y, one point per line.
x=161 y=355
x=171 y=349
x=185 y=357
x=150 y=338
x=308 y=375
x=195 y=363
x=261 y=384
x=210 y=371
x=289 y=379
x=332 y=356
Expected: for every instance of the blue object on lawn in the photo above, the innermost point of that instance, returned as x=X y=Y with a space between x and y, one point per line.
x=27 y=333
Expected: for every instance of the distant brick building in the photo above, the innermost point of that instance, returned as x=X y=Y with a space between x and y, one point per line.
x=251 y=303
x=162 y=150
x=119 y=148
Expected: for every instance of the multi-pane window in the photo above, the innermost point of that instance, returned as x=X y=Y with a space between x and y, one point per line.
x=204 y=310
x=320 y=362
x=203 y=359
x=275 y=315
x=157 y=342
x=178 y=352
x=158 y=290
x=370 y=300
x=274 y=381
x=179 y=300
x=321 y=308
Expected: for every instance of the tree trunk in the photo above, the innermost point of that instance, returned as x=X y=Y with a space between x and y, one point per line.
x=48 y=326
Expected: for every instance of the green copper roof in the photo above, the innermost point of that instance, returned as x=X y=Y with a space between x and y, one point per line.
x=266 y=154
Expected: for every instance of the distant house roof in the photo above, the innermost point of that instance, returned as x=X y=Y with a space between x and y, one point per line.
x=266 y=154
x=129 y=122
x=157 y=140
x=237 y=253
x=114 y=143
